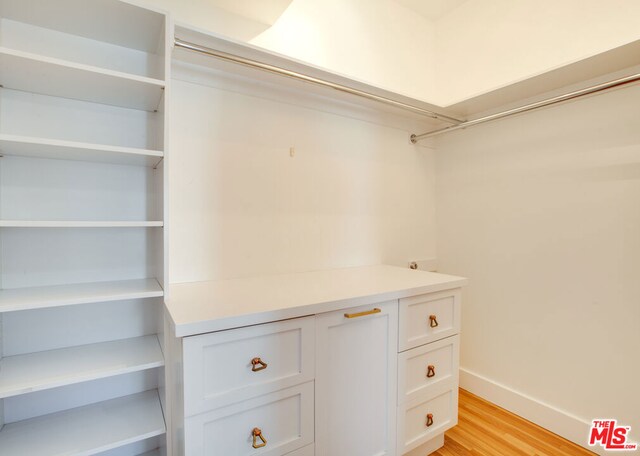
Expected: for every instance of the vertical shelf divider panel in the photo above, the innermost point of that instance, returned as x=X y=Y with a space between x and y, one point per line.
x=163 y=243
x=89 y=235
x=1 y=336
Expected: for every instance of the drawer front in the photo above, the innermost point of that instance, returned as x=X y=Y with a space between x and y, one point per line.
x=424 y=368
x=285 y=419
x=420 y=422
x=309 y=450
x=219 y=368
x=427 y=318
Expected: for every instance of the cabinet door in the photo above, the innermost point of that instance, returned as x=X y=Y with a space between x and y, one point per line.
x=356 y=373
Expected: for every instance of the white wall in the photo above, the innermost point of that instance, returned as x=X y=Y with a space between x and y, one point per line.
x=542 y=213
x=486 y=44
x=356 y=193
x=375 y=41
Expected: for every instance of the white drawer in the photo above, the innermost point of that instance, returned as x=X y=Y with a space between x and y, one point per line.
x=285 y=419
x=218 y=368
x=427 y=318
x=424 y=368
x=309 y=450
x=420 y=422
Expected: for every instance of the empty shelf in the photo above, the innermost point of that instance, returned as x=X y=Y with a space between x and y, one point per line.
x=86 y=430
x=49 y=76
x=82 y=293
x=78 y=224
x=22 y=374
x=119 y=23
x=69 y=150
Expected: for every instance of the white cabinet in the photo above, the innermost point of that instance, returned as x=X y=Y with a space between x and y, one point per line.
x=316 y=378
x=356 y=381
x=427 y=370
x=250 y=391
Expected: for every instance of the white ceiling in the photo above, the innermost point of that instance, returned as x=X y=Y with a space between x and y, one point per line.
x=264 y=11
x=268 y=11
x=431 y=9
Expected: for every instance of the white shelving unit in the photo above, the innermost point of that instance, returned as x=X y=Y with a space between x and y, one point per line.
x=82 y=234
x=86 y=430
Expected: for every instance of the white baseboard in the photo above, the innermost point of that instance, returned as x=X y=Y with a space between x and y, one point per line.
x=555 y=420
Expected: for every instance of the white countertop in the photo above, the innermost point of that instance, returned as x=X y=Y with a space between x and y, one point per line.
x=201 y=307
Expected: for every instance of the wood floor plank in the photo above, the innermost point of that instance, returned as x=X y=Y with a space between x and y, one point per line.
x=519 y=430
x=484 y=429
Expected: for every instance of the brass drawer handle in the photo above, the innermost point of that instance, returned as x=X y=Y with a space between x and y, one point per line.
x=433 y=321
x=429 y=419
x=362 y=314
x=257 y=365
x=431 y=371
x=257 y=434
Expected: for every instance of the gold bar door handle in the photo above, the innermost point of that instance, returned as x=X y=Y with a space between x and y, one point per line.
x=363 y=314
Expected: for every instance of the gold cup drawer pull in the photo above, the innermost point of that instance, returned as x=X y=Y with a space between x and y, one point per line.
x=257 y=365
x=363 y=314
x=429 y=419
x=257 y=434
x=431 y=371
x=433 y=321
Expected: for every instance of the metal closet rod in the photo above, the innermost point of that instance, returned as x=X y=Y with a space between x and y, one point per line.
x=310 y=79
x=530 y=107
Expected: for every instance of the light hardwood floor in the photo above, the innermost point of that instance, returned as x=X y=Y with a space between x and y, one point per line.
x=485 y=429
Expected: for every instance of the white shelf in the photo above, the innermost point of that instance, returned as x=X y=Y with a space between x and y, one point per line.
x=24 y=146
x=34 y=73
x=23 y=374
x=78 y=224
x=116 y=22
x=82 y=293
x=86 y=430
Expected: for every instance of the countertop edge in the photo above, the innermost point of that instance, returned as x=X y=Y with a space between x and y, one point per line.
x=250 y=319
